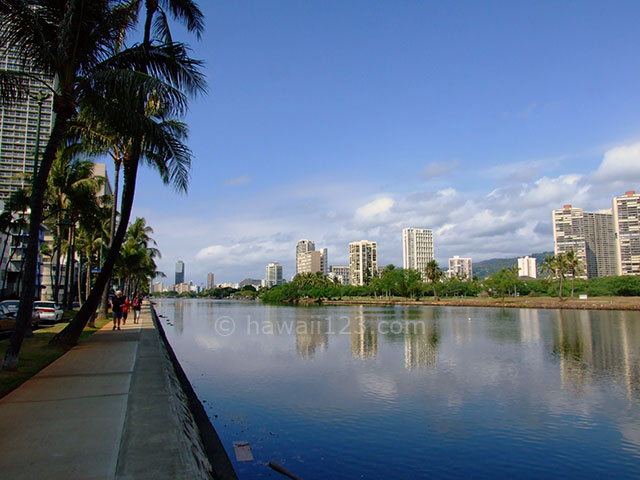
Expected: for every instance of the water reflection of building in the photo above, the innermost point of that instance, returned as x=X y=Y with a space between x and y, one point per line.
x=311 y=335
x=274 y=324
x=364 y=337
x=529 y=325
x=590 y=344
x=420 y=344
x=178 y=316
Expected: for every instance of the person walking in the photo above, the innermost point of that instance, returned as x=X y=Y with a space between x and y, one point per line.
x=125 y=310
x=117 y=303
x=136 y=304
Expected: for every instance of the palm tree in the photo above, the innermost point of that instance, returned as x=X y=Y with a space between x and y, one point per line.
x=136 y=262
x=155 y=136
x=70 y=40
x=574 y=266
x=72 y=194
x=557 y=267
x=434 y=275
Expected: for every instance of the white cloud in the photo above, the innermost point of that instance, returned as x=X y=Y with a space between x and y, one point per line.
x=439 y=169
x=237 y=181
x=620 y=164
x=375 y=208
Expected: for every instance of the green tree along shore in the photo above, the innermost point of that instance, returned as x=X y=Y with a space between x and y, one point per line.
x=399 y=283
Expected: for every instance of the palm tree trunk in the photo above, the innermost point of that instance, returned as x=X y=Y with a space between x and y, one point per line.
x=25 y=311
x=112 y=228
x=79 y=280
x=56 y=291
x=4 y=250
x=67 y=269
x=71 y=333
x=6 y=272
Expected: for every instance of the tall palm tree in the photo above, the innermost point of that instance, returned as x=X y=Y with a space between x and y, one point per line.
x=160 y=141
x=574 y=267
x=70 y=40
x=557 y=267
x=72 y=194
x=136 y=262
x=434 y=275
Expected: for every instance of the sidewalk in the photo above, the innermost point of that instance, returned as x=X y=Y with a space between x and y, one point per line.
x=107 y=409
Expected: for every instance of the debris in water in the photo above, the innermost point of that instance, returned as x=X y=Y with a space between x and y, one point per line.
x=243 y=451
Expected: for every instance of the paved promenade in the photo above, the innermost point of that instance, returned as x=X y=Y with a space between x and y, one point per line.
x=107 y=409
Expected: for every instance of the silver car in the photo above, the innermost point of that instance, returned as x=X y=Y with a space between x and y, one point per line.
x=48 y=311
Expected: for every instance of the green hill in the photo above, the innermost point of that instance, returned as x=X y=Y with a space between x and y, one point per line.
x=487 y=267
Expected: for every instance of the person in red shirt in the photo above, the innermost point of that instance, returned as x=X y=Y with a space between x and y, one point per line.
x=125 y=311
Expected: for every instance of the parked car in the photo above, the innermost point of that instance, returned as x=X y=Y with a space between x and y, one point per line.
x=48 y=311
x=11 y=305
x=8 y=315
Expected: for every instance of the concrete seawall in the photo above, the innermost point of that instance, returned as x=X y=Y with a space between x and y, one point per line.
x=208 y=453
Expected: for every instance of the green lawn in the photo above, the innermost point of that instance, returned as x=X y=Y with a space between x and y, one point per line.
x=36 y=353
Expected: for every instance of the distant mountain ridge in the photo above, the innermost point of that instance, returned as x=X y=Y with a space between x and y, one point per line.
x=487 y=267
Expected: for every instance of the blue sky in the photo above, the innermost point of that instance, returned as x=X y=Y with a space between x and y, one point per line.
x=341 y=121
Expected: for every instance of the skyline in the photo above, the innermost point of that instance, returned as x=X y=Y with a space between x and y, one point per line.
x=339 y=123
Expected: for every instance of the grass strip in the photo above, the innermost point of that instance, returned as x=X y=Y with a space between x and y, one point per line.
x=36 y=353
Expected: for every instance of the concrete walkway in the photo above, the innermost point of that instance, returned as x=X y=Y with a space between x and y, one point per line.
x=107 y=409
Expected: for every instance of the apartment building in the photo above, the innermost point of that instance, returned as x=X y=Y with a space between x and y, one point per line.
x=527 y=267
x=363 y=261
x=590 y=235
x=626 y=219
x=341 y=272
x=460 y=267
x=417 y=249
x=312 y=262
x=273 y=275
x=19 y=124
x=303 y=246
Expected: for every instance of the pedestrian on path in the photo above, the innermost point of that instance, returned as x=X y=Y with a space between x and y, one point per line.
x=136 y=304
x=125 y=310
x=117 y=303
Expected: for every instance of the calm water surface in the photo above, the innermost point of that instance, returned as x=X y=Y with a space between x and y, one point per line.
x=416 y=392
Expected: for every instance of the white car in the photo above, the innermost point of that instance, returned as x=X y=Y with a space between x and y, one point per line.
x=48 y=311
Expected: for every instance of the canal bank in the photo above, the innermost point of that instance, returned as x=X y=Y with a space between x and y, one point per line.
x=113 y=407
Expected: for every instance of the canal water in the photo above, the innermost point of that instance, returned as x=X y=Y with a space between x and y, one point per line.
x=378 y=392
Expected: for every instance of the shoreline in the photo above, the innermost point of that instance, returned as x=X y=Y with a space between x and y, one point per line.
x=209 y=440
x=595 y=303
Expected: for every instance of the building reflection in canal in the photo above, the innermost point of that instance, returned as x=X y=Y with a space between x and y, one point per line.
x=311 y=334
x=588 y=348
x=420 y=339
x=364 y=334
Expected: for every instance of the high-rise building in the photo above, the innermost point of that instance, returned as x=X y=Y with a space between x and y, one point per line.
x=179 y=272
x=303 y=246
x=19 y=126
x=599 y=235
x=341 y=272
x=568 y=233
x=24 y=124
x=210 y=281
x=273 y=275
x=417 y=248
x=626 y=219
x=527 y=267
x=312 y=262
x=590 y=236
x=363 y=261
x=460 y=267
